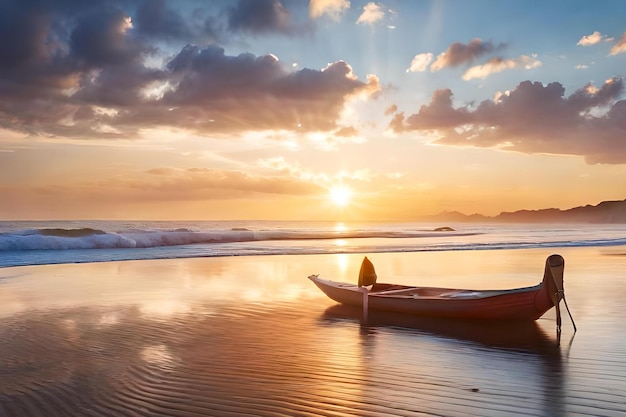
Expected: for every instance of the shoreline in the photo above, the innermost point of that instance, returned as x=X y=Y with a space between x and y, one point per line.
x=475 y=269
x=556 y=247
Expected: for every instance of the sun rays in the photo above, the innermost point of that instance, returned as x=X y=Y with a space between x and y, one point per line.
x=340 y=195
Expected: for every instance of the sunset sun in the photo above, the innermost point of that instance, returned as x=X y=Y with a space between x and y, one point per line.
x=340 y=195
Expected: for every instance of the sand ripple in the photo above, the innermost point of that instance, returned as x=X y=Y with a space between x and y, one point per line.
x=290 y=360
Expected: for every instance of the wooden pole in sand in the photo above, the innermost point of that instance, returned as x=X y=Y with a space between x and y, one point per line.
x=365 y=302
x=367 y=276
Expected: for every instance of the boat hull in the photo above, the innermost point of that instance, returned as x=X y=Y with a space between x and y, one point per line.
x=524 y=304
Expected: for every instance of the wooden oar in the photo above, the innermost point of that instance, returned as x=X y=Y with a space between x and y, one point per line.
x=568 y=312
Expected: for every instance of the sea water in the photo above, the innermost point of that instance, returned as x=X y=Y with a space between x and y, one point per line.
x=53 y=242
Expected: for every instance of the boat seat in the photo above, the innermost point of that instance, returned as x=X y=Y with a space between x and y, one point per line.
x=399 y=290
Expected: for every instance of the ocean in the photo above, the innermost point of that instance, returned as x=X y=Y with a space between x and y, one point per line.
x=58 y=242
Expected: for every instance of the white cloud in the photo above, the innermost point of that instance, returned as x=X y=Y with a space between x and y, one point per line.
x=620 y=46
x=495 y=65
x=595 y=37
x=395 y=175
x=372 y=13
x=420 y=62
x=333 y=8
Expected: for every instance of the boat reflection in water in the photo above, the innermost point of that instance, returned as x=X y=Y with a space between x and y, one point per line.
x=449 y=366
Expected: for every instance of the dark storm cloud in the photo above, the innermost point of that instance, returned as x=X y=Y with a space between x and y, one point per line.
x=533 y=118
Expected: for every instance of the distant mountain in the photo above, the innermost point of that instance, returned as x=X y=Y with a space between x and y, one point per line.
x=455 y=216
x=605 y=212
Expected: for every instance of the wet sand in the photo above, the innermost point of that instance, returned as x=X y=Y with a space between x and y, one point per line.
x=252 y=336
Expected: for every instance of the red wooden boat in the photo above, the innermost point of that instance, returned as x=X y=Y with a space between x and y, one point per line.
x=519 y=304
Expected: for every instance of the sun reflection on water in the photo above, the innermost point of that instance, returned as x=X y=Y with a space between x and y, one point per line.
x=340 y=227
x=342 y=261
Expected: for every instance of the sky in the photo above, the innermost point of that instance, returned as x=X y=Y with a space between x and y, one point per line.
x=308 y=110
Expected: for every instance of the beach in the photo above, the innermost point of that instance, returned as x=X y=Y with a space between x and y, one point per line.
x=252 y=336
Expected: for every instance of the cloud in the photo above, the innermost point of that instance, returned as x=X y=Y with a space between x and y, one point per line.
x=597 y=37
x=495 y=65
x=99 y=39
x=372 y=13
x=333 y=8
x=594 y=38
x=163 y=20
x=156 y=19
x=533 y=118
x=420 y=62
x=260 y=16
x=78 y=69
x=258 y=92
x=195 y=182
x=115 y=86
x=159 y=185
x=47 y=54
x=439 y=113
x=391 y=110
x=620 y=46
x=207 y=91
x=458 y=54
x=347 y=132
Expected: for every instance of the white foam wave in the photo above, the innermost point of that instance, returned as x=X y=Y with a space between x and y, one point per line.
x=34 y=240
x=37 y=243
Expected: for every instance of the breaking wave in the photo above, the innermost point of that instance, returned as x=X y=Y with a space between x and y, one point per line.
x=88 y=238
x=54 y=242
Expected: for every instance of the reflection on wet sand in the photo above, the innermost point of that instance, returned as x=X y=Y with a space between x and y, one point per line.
x=493 y=367
x=257 y=360
x=236 y=361
x=523 y=336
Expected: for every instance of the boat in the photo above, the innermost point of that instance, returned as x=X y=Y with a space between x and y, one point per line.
x=518 y=304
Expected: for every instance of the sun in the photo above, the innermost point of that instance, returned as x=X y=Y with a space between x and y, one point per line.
x=340 y=195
